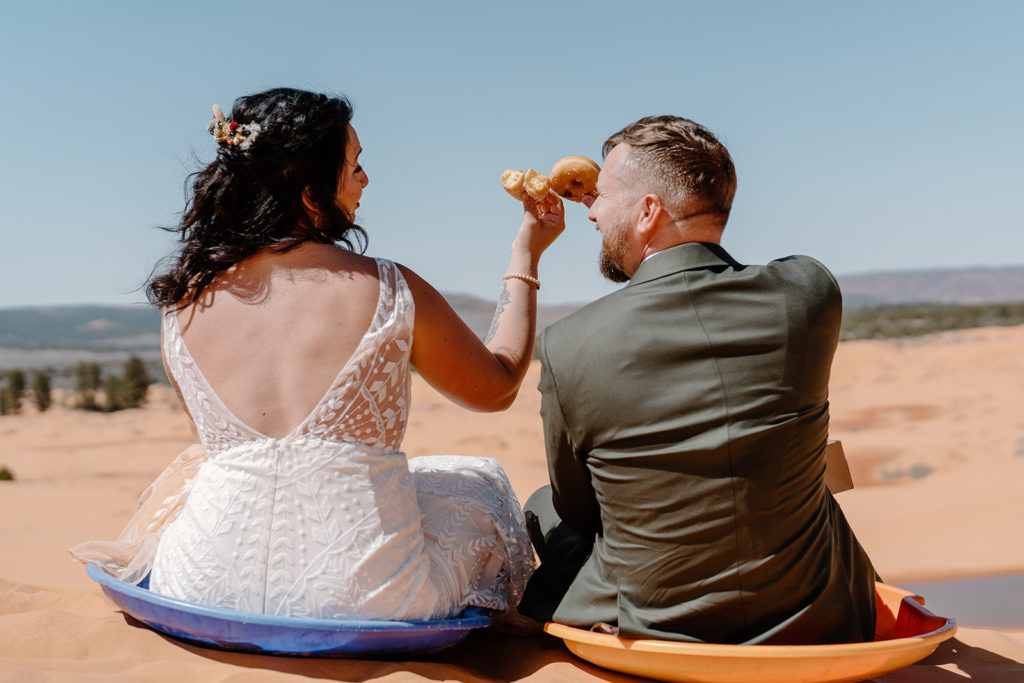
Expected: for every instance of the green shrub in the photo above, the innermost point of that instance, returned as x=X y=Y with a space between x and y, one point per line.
x=6 y=474
x=15 y=388
x=136 y=382
x=128 y=390
x=88 y=378
x=41 y=389
x=7 y=405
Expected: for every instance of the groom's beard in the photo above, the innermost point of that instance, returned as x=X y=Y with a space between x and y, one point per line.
x=613 y=253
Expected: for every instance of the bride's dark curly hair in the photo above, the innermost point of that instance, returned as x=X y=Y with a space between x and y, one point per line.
x=251 y=199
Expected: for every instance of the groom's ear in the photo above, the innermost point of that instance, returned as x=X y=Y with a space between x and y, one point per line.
x=652 y=209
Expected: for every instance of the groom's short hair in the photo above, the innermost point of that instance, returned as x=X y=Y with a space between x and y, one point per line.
x=679 y=160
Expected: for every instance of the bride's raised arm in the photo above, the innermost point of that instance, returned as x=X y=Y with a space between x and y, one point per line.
x=485 y=375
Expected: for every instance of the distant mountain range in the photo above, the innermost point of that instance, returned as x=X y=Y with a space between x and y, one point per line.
x=92 y=328
x=137 y=328
x=59 y=336
x=947 y=286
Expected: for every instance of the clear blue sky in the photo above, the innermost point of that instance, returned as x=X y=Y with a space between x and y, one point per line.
x=871 y=135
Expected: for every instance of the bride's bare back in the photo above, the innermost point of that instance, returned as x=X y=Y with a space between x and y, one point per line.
x=272 y=333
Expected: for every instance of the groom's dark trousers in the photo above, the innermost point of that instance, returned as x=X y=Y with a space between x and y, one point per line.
x=685 y=420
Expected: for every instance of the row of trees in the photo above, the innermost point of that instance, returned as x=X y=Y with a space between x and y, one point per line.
x=911 y=320
x=92 y=390
x=118 y=391
x=13 y=391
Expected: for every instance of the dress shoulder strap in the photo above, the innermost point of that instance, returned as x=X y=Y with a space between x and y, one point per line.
x=396 y=295
x=368 y=401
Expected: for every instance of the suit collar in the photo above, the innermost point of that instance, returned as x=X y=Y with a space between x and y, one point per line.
x=688 y=256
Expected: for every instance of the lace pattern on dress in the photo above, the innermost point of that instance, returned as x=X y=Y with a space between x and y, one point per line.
x=367 y=402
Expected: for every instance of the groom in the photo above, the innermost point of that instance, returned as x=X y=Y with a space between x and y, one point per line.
x=685 y=420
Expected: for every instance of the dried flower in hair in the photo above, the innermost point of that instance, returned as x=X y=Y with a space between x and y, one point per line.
x=233 y=133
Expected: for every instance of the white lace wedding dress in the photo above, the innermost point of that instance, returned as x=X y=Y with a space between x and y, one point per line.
x=330 y=521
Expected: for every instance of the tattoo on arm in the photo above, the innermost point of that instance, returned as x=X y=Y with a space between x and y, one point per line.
x=503 y=299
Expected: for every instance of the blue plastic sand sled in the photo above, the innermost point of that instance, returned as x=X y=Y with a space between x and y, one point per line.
x=261 y=633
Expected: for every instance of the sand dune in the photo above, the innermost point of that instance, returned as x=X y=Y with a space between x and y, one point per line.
x=933 y=429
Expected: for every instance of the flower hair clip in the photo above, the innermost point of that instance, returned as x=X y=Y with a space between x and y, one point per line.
x=233 y=133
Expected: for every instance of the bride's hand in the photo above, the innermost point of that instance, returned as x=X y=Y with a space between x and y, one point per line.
x=543 y=222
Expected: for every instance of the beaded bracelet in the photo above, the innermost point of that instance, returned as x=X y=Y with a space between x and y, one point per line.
x=525 y=278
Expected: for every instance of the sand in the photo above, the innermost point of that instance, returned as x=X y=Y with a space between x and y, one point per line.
x=933 y=429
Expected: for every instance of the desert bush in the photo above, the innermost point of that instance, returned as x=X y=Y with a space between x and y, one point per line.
x=87 y=401
x=128 y=390
x=16 y=381
x=15 y=388
x=137 y=381
x=6 y=401
x=88 y=378
x=114 y=390
x=6 y=474
x=41 y=389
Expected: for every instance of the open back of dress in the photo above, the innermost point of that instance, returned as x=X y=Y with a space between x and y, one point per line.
x=331 y=521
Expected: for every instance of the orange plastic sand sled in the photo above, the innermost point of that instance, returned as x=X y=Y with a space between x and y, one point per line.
x=905 y=632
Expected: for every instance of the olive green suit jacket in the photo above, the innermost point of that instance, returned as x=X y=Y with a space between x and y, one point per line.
x=686 y=418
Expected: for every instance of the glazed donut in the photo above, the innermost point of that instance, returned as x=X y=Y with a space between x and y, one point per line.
x=512 y=181
x=536 y=184
x=573 y=177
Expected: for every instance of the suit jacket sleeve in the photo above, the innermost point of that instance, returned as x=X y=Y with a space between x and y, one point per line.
x=572 y=493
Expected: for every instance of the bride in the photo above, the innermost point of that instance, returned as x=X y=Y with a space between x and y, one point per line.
x=291 y=352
